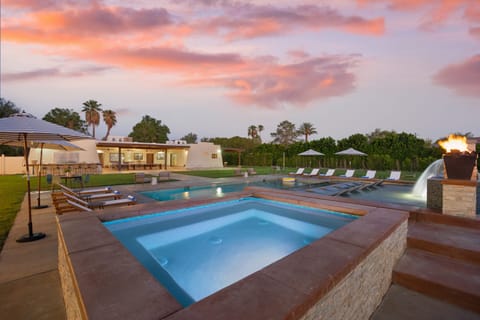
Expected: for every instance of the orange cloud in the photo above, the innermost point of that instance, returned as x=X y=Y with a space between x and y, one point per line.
x=463 y=77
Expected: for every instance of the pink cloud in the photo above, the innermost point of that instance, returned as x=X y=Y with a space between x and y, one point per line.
x=475 y=32
x=41 y=5
x=437 y=12
x=250 y=21
x=472 y=13
x=51 y=72
x=463 y=77
x=274 y=85
x=298 y=54
x=130 y=39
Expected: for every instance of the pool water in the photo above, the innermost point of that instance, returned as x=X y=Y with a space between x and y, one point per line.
x=218 y=191
x=197 y=251
x=397 y=194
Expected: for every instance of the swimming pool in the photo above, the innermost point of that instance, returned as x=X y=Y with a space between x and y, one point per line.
x=197 y=251
x=218 y=191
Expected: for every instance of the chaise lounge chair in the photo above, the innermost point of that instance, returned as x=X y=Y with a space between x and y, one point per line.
x=77 y=206
x=91 y=197
x=129 y=200
x=348 y=174
x=394 y=175
x=313 y=173
x=329 y=173
x=89 y=191
x=370 y=174
x=298 y=173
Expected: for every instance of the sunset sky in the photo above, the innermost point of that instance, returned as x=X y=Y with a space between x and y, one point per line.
x=215 y=67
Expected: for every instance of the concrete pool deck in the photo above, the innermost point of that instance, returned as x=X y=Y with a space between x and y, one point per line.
x=30 y=285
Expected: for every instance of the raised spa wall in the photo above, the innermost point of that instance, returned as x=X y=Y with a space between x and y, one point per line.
x=343 y=275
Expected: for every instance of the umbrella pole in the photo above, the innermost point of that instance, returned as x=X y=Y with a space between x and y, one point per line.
x=30 y=236
x=39 y=206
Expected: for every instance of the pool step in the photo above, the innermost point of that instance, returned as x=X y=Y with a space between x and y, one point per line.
x=448 y=240
x=442 y=277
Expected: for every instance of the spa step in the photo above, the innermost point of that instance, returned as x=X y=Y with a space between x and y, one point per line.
x=452 y=241
x=441 y=277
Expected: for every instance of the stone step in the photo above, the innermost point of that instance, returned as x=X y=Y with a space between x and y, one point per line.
x=452 y=241
x=400 y=303
x=441 y=277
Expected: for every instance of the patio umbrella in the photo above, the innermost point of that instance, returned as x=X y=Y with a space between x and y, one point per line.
x=311 y=152
x=350 y=152
x=25 y=128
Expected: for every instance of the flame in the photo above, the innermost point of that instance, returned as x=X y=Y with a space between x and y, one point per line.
x=454 y=142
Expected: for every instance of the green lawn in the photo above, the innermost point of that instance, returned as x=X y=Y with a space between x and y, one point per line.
x=12 y=191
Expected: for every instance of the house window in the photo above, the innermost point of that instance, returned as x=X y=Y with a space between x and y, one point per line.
x=114 y=157
x=138 y=156
x=214 y=156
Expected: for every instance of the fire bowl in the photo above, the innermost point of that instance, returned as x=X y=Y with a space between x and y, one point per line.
x=459 y=165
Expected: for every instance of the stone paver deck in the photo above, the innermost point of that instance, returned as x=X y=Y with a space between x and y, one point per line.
x=29 y=280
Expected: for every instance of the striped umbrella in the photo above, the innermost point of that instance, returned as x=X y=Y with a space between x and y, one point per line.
x=25 y=128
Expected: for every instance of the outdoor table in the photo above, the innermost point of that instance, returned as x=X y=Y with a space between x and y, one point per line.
x=68 y=180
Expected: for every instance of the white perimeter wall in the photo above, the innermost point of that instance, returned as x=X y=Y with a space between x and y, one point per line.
x=200 y=156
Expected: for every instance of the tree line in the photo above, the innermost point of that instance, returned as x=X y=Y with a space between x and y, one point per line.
x=386 y=150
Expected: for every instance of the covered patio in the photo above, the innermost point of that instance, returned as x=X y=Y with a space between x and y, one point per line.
x=130 y=156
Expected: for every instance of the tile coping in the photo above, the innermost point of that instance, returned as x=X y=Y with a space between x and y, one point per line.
x=100 y=259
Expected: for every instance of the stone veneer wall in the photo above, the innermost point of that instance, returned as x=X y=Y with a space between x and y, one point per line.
x=460 y=200
x=361 y=291
x=70 y=296
x=434 y=193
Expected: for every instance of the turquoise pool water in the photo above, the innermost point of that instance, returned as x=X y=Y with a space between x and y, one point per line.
x=197 y=251
x=218 y=191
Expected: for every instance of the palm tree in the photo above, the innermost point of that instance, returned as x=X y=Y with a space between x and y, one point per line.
x=110 y=119
x=92 y=113
x=260 y=129
x=307 y=129
x=252 y=131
